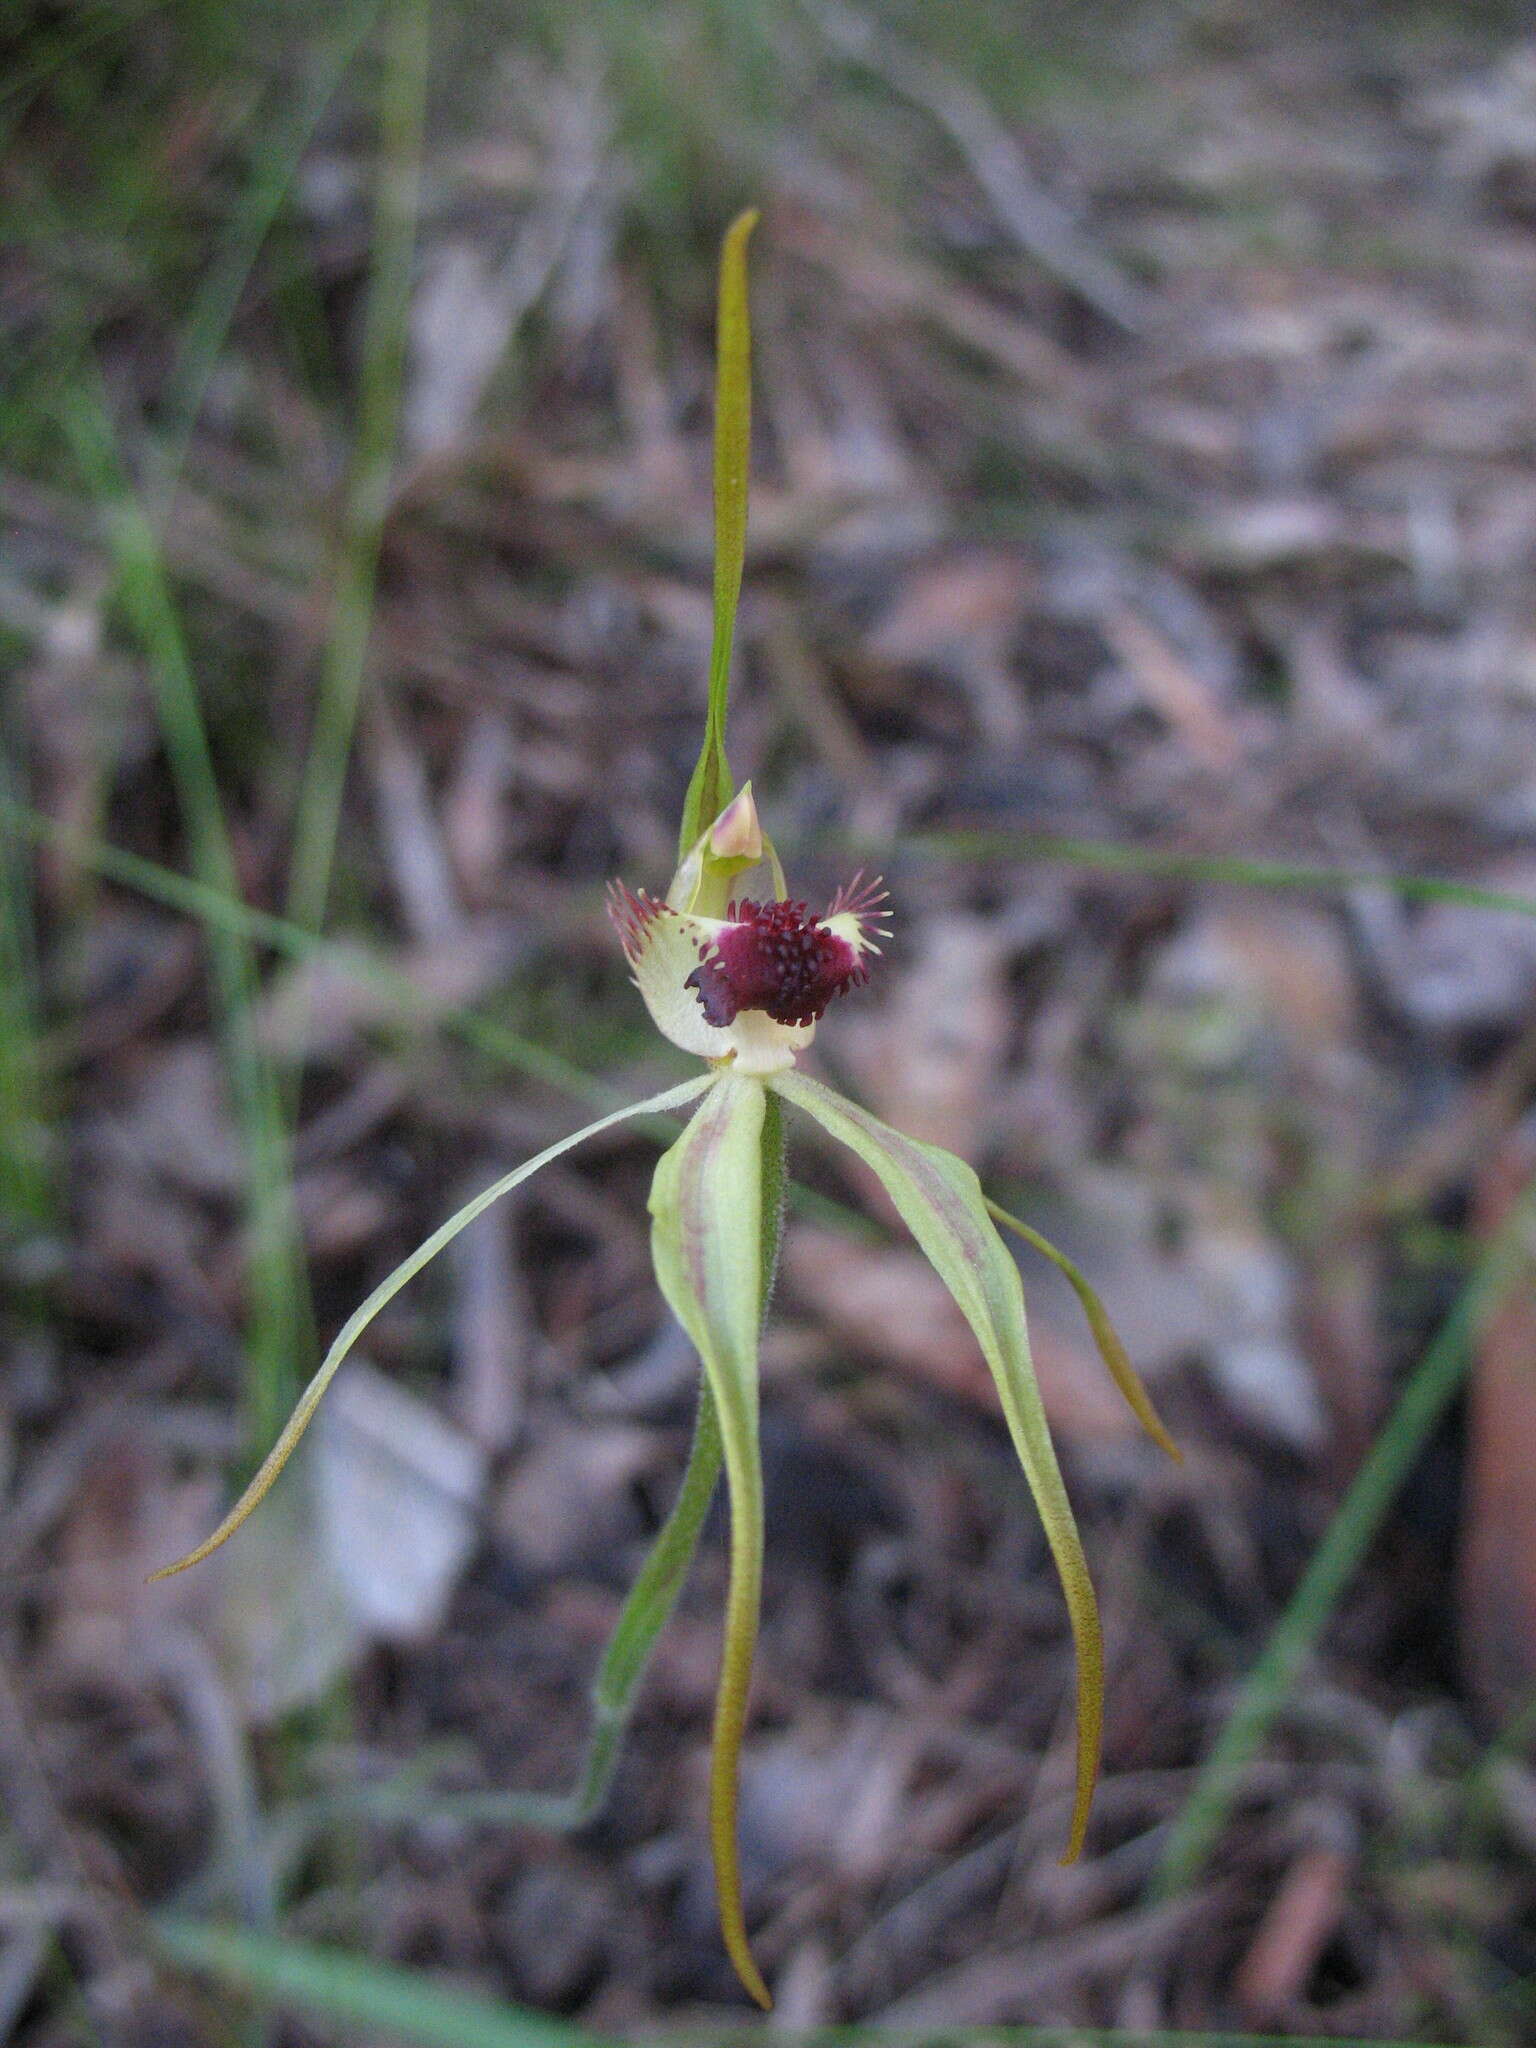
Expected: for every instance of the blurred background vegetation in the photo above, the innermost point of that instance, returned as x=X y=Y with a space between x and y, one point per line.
x=1140 y=575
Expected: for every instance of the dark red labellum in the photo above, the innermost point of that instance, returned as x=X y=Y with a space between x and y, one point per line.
x=774 y=957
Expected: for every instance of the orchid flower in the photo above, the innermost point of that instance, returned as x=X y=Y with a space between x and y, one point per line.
x=739 y=981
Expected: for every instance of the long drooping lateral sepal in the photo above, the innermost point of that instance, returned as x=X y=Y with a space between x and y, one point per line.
x=940 y=1200
x=707 y=1246
x=287 y=1443
x=1105 y=1335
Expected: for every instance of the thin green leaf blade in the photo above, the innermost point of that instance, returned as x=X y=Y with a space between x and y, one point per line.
x=1109 y=858
x=385 y=1292
x=711 y=788
x=279 y=1322
x=641 y=1620
x=395 y=2003
x=357 y=1993
x=644 y=1615
x=1114 y=1354
x=1399 y=1443
x=707 y=1244
x=222 y=912
x=344 y=661
x=940 y=1200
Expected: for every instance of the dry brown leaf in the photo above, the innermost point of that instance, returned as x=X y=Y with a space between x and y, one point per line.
x=1498 y=1557
x=426 y=887
x=948 y=601
x=492 y=1329
x=1295 y=1929
x=179 y=1122
x=1175 y=690
x=887 y=1304
x=567 y=1499
x=315 y=1010
x=397 y=1493
x=1269 y=977
x=364 y=1540
x=836 y=1803
x=930 y=1064
x=339 y=1212
x=476 y=816
x=1462 y=968
x=128 y=1516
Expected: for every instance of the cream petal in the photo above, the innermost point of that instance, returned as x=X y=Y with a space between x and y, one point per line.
x=663 y=947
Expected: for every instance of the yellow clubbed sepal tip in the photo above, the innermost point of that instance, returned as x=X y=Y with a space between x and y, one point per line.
x=1105 y=1336
x=1090 y=1736
x=724 y=1770
x=266 y=1477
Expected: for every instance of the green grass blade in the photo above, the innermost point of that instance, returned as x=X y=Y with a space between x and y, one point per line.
x=294 y=1428
x=875 y=2036
x=1429 y=1391
x=346 y=652
x=940 y=1200
x=278 y=1298
x=357 y=1994
x=286 y=136
x=146 y=599
x=47 y=53
x=220 y=911
x=28 y=1203
x=706 y=1243
x=367 y=498
x=282 y=116
x=711 y=788
x=1110 y=858
x=641 y=1620
x=215 y=908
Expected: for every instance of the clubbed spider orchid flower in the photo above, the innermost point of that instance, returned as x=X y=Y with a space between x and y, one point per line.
x=745 y=988
x=739 y=981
